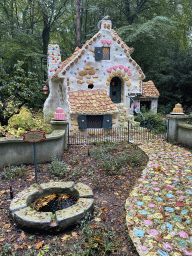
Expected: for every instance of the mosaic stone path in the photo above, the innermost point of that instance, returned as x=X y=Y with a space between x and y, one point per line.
x=159 y=208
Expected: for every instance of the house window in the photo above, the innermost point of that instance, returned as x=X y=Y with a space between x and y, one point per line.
x=97 y=121
x=145 y=104
x=102 y=53
x=106 y=53
x=94 y=121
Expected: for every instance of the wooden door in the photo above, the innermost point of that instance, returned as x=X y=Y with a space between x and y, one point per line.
x=115 y=90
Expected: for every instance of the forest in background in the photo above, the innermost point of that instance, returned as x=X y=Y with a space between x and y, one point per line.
x=158 y=30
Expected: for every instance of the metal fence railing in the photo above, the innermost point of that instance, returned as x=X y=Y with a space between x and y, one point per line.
x=130 y=133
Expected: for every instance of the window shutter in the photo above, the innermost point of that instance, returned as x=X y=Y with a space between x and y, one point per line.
x=98 y=53
x=107 y=121
x=82 y=122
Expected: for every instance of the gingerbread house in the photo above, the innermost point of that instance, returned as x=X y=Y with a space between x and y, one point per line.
x=97 y=85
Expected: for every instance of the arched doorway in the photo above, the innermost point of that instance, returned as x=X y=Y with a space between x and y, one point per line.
x=115 y=90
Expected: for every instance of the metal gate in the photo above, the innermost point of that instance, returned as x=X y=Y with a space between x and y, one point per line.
x=130 y=133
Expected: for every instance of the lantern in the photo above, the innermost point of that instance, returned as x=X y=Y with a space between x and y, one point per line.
x=45 y=89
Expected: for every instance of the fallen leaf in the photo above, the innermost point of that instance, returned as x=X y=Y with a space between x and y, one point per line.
x=74 y=234
x=2 y=239
x=39 y=245
x=97 y=219
x=103 y=216
x=65 y=237
x=22 y=236
x=15 y=246
x=103 y=209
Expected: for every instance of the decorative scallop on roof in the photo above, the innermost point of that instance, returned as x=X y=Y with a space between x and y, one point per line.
x=78 y=53
x=149 y=90
x=94 y=102
x=122 y=43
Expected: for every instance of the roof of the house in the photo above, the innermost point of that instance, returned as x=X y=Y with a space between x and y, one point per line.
x=78 y=53
x=149 y=90
x=91 y=102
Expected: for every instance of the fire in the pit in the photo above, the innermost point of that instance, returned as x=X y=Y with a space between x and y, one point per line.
x=53 y=203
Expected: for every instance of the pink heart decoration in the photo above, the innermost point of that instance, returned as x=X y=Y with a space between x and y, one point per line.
x=103 y=41
x=109 y=70
x=129 y=73
x=109 y=41
x=121 y=66
x=115 y=67
x=126 y=69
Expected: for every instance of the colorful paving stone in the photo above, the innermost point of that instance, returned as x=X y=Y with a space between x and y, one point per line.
x=159 y=208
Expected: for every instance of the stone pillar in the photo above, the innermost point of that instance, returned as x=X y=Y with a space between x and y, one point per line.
x=174 y=120
x=60 y=125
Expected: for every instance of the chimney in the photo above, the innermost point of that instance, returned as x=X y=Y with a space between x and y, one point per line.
x=106 y=24
x=54 y=58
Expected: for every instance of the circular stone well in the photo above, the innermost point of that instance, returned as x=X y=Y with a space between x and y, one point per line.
x=25 y=216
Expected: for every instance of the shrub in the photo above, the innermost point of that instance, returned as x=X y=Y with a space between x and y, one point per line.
x=25 y=121
x=12 y=172
x=152 y=121
x=95 y=241
x=58 y=168
x=116 y=165
x=6 y=250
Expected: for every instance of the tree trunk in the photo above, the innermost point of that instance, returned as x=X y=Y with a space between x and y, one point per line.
x=78 y=23
x=45 y=37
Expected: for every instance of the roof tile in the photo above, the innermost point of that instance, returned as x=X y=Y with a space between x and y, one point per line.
x=96 y=101
x=149 y=90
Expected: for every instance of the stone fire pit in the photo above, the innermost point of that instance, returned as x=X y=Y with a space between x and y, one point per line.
x=25 y=216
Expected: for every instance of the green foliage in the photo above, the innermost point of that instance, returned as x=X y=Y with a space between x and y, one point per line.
x=17 y=89
x=25 y=121
x=172 y=76
x=6 y=250
x=116 y=165
x=168 y=64
x=152 y=121
x=12 y=172
x=58 y=168
x=95 y=241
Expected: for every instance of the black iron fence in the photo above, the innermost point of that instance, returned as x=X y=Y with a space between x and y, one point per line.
x=131 y=133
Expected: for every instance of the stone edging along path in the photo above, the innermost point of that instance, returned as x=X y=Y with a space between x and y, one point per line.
x=159 y=208
x=25 y=216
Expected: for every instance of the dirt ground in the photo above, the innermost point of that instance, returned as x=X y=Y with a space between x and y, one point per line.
x=110 y=193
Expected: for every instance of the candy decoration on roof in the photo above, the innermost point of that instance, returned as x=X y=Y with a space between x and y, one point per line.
x=76 y=49
x=54 y=58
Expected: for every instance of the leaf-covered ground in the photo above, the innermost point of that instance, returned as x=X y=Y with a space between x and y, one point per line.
x=110 y=170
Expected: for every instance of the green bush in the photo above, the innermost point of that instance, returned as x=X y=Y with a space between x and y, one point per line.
x=6 y=250
x=25 y=121
x=115 y=165
x=152 y=121
x=12 y=172
x=95 y=241
x=58 y=168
